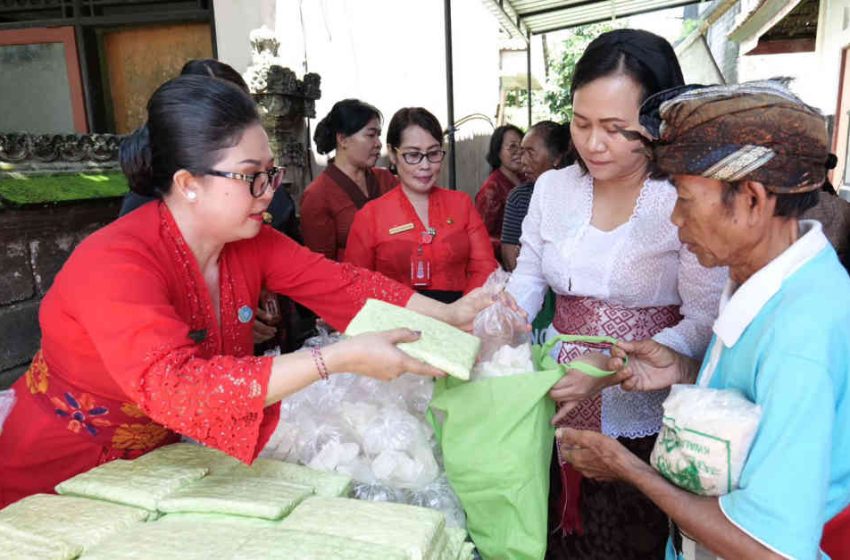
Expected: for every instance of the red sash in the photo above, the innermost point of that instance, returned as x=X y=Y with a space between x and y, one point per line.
x=594 y=317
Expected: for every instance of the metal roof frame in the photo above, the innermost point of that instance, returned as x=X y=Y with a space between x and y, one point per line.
x=522 y=18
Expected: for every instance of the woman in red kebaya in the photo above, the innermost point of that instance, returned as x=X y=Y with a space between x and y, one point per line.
x=504 y=157
x=146 y=331
x=352 y=130
x=418 y=234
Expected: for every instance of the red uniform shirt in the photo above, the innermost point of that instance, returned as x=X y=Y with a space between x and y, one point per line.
x=387 y=231
x=132 y=351
x=329 y=204
x=490 y=202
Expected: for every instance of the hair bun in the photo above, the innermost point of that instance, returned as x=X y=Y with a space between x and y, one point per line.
x=135 y=156
x=324 y=136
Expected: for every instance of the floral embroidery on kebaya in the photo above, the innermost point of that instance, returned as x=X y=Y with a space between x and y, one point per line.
x=36 y=376
x=139 y=436
x=132 y=410
x=83 y=413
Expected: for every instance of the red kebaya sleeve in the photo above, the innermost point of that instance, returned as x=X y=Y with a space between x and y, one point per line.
x=121 y=299
x=335 y=291
x=317 y=221
x=360 y=249
x=481 y=261
x=490 y=206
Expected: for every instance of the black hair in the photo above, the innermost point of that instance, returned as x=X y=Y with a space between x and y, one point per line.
x=643 y=56
x=214 y=69
x=496 y=141
x=556 y=138
x=792 y=205
x=190 y=118
x=412 y=116
x=346 y=117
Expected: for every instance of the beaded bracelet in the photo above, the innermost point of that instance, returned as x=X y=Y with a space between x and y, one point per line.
x=320 y=363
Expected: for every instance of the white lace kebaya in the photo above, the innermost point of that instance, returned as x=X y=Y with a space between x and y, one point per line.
x=640 y=264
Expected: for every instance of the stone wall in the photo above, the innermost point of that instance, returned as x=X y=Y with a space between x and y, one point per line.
x=34 y=243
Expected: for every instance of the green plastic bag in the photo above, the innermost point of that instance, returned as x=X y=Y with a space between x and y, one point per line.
x=497 y=444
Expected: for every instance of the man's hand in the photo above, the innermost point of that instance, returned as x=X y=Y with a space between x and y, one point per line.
x=598 y=456
x=651 y=366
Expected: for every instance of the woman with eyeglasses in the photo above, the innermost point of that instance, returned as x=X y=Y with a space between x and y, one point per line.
x=352 y=131
x=505 y=159
x=426 y=237
x=146 y=330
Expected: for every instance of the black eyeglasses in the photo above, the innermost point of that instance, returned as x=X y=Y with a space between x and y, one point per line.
x=259 y=182
x=412 y=158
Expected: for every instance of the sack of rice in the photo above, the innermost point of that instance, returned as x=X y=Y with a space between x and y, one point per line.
x=705 y=437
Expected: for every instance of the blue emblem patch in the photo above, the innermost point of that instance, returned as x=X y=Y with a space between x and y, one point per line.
x=245 y=314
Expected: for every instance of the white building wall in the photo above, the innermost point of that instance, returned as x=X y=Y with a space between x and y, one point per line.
x=234 y=20
x=815 y=74
x=390 y=53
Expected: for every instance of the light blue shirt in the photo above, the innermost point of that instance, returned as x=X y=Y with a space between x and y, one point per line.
x=783 y=340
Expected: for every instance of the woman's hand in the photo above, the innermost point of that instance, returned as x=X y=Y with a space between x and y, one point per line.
x=462 y=312
x=575 y=386
x=264 y=328
x=651 y=366
x=376 y=355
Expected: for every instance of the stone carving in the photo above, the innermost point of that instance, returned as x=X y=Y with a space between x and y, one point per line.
x=49 y=148
x=264 y=49
x=284 y=103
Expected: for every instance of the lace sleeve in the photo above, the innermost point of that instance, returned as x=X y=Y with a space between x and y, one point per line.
x=527 y=284
x=700 y=290
x=217 y=401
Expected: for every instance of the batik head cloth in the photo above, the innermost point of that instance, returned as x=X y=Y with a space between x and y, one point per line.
x=758 y=131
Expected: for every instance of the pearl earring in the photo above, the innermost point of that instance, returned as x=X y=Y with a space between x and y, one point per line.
x=191 y=195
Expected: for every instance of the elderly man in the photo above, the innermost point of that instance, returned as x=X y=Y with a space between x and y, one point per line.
x=747 y=161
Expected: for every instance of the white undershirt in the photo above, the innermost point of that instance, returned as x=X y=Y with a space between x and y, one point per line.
x=594 y=261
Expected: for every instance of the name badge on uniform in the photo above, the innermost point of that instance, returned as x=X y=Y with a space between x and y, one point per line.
x=245 y=314
x=401 y=228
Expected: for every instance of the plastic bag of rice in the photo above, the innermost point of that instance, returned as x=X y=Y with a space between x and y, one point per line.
x=705 y=437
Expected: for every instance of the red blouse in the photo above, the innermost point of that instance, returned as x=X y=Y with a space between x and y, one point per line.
x=329 y=204
x=129 y=331
x=387 y=231
x=490 y=202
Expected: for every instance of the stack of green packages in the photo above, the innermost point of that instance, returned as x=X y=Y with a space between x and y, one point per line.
x=191 y=502
x=60 y=527
x=443 y=346
x=497 y=444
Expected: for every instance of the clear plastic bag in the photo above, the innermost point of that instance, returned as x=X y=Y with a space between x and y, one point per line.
x=7 y=401
x=373 y=431
x=505 y=340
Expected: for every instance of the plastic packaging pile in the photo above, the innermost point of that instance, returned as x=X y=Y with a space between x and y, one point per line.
x=7 y=400
x=372 y=431
x=505 y=344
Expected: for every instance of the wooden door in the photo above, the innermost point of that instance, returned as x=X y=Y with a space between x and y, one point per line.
x=139 y=59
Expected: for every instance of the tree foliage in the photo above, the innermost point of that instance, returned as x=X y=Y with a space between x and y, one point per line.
x=562 y=67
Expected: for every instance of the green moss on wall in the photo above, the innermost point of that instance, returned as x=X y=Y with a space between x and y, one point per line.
x=18 y=189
